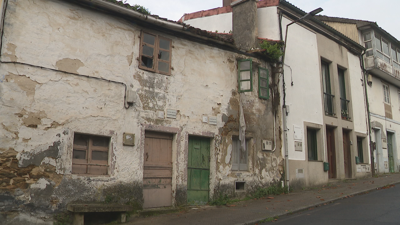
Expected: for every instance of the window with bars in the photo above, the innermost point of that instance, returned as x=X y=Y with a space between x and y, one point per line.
x=263 y=83
x=155 y=53
x=239 y=156
x=344 y=102
x=329 y=98
x=245 y=75
x=312 y=145
x=90 y=154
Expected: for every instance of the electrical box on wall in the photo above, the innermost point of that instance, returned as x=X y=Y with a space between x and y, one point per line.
x=266 y=145
x=129 y=139
x=130 y=96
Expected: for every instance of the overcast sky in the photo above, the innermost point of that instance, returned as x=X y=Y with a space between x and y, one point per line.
x=384 y=12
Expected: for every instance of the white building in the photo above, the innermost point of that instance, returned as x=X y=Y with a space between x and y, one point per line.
x=382 y=65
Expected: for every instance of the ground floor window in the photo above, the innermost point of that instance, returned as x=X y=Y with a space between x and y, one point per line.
x=90 y=154
x=312 y=145
x=239 y=156
x=360 y=149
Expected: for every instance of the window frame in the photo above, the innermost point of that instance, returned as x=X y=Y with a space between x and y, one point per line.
x=238 y=166
x=90 y=163
x=156 y=53
x=386 y=96
x=312 y=148
x=328 y=95
x=320 y=141
x=379 y=39
x=360 y=149
x=260 y=79
x=245 y=70
x=368 y=51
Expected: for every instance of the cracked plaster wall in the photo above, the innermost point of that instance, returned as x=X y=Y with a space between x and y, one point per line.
x=41 y=109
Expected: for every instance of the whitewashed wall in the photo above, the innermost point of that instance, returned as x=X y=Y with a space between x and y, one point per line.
x=304 y=97
x=44 y=100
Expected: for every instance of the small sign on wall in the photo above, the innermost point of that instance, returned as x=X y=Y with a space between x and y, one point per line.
x=297 y=132
x=298 y=146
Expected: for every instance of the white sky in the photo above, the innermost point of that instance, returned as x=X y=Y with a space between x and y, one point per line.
x=384 y=12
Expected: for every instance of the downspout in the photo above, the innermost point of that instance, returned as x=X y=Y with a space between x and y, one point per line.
x=284 y=112
x=371 y=150
x=3 y=18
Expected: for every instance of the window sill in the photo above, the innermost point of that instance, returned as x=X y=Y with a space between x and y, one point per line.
x=90 y=175
x=154 y=71
x=316 y=161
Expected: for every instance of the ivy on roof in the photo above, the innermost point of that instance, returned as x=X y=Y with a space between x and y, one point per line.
x=137 y=8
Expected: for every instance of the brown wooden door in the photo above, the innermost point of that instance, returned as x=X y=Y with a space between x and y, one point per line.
x=346 y=154
x=157 y=174
x=330 y=137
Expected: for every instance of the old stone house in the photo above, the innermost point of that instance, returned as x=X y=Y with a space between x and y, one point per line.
x=101 y=103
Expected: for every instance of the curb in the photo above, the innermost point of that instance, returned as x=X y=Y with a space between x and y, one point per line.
x=317 y=205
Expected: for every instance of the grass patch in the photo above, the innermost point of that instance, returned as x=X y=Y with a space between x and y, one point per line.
x=259 y=193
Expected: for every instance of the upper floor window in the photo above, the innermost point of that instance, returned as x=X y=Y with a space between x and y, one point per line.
x=382 y=47
x=245 y=75
x=326 y=82
x=368 y=44
x=344 y=103
x=386 y=94
x=155 y=53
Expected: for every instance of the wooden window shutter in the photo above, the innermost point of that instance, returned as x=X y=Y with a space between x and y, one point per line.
x=263 y=83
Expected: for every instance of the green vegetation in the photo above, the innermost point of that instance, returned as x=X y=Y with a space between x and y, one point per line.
x=272 y=190
x=259 y=193
x=62 y=219
x=272 y=50
x=137 y=8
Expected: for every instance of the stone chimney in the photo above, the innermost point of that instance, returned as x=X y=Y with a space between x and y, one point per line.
x=244 y=24
x=227 y=2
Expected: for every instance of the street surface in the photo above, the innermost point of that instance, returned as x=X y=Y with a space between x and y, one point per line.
x=374 y=208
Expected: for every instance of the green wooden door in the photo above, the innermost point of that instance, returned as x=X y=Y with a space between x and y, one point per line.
x=390 y=152
x=198 y=170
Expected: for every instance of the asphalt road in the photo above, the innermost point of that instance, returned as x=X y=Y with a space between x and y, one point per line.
x=377 y=207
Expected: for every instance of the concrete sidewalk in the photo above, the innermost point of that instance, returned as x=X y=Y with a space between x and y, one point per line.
x=253 y=211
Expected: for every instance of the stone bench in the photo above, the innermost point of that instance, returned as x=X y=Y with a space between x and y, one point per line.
x=79 y=210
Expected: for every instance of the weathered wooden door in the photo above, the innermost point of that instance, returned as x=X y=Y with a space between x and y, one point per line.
x=157 y=174
x=330 y=137
x=198 y=170
x=346 y=154
x=390 y=152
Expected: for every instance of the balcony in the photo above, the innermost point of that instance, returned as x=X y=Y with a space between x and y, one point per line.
x=329 y=103
x=383 y=69
x=345 y=110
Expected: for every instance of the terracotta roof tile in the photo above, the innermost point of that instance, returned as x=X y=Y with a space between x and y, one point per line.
x=222 y=10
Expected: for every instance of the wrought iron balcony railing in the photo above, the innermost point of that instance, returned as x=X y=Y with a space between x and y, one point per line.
x=345 y=110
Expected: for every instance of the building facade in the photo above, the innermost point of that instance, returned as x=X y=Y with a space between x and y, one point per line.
x=101 y=103
x=382 y=74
